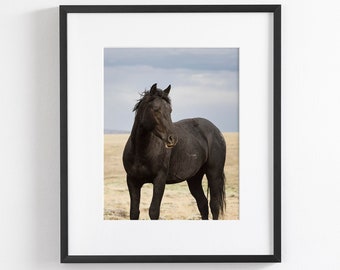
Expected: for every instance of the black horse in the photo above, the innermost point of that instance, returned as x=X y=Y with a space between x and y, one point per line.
x=161 y=152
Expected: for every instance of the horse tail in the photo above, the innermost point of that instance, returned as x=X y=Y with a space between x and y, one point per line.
x=216 y=185
x=221 y=195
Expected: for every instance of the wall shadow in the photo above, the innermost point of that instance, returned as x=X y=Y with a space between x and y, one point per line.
x=45 y=72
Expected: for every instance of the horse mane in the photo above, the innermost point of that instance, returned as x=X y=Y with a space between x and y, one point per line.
x=147 y=96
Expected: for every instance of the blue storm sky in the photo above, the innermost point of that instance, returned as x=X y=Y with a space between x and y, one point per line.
x=204 y=83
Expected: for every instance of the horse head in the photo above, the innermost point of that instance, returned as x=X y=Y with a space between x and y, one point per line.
x=153 y=111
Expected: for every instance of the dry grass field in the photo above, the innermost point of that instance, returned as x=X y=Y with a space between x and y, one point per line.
x=177 y=203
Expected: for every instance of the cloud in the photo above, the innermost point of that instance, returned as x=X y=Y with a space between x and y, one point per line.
x=170 y=58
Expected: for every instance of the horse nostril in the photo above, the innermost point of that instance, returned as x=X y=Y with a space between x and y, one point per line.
x=172 y=139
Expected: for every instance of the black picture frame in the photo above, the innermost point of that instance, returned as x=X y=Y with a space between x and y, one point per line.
x=276 y=253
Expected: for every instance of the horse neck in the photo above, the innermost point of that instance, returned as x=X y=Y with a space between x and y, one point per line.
x=141 y=139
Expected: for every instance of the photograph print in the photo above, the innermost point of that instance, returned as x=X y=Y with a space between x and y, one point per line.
x=171 y=133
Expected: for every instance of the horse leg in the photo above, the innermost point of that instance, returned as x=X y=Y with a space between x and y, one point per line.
x=134 y=190
x=196 y=190
x=158 y=191
x=216 y=182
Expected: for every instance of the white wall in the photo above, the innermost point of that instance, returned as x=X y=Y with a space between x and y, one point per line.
x=29 y=137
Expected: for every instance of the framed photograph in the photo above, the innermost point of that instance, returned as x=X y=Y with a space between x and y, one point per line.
x=170 y=121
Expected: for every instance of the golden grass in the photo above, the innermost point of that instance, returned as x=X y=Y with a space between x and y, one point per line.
x=177 y=203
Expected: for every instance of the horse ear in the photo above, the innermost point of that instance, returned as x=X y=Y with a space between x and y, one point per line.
x=153 y=89
x=167 y=90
